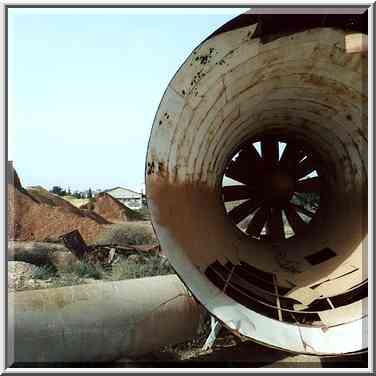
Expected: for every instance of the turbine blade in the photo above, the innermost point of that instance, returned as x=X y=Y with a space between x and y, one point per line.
x=308 y=185
x=291 y=156
x=236 y=192
x=258 y=221
x=304 y=168
x=277 y=230
x=246 y=165
x=269 y=151
x=295 y=221
x=243 y=210
x=303 y=210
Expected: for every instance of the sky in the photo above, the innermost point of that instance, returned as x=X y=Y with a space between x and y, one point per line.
x=84 y=87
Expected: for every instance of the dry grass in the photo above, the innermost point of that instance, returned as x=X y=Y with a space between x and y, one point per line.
x=140 y=267
x=128 y=233
x=67 y=274
x=77 y=202
x=134 y=266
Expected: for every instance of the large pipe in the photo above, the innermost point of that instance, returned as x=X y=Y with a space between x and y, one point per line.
x=101 y=321
x=275 y=106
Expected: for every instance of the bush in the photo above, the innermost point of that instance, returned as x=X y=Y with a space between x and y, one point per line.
x=58 y=191
x=133 y=267
x=132 y=233
x=145 y=213
x=84 y=270
x=43 y=272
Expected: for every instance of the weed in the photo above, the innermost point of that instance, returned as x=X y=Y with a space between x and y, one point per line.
x=83 y=270
x=43 y=272
x=133 y=268
x=132 y=233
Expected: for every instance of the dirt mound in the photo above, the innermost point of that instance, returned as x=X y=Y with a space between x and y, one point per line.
x=45 y=197
x=111 y=209
x=40 y=217
x=77 y=202
x=13 y=178
x=96 y=217
x=14 y=181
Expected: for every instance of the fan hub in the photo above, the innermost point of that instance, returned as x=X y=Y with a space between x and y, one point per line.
x=278 y=186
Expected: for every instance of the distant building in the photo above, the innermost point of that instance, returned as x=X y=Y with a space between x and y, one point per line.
x=132 y=199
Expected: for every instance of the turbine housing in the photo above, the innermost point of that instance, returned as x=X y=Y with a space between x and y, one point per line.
x=256 y=178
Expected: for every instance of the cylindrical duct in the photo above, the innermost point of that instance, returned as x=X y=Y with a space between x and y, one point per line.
x=256 y=178
x=100 y=322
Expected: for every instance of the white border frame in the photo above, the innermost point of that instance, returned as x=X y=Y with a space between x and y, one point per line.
x=191 y=3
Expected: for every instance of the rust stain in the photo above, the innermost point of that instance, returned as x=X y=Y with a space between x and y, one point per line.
x=162 y=172
x=199 y=220
x=150 y=168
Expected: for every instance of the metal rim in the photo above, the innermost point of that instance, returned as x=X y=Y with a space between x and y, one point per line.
x=186 y=157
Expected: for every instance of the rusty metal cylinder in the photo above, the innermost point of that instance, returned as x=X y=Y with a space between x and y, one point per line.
x=100 y=322
x=277 y=106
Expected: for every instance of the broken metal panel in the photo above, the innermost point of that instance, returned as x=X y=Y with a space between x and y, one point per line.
x=346 y=282
x=238 y=85
x=348 y=313
x=353 y=335
x=74 y=242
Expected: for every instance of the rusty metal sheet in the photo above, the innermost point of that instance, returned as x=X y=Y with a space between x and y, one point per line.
x=240 y=84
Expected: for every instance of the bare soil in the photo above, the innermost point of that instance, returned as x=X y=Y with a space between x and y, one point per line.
x=111 y=209
x=38 y=215
x=30 y=220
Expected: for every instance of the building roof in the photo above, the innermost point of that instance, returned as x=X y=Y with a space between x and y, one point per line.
x=126 y=189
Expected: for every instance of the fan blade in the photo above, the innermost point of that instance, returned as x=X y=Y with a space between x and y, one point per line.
x=236 y=172
x=295 y=221
x=276 y=226
x=308 y=185
x=269 y=152
x=258 y=221
x=250 y=154
x=243 y=210
x=291 y=156
x=304 y=168
x=236 y=192
x=247 y=163
x=303 y=210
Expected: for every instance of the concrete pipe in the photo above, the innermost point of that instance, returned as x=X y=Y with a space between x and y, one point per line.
x=100 y=322
x=256 y=177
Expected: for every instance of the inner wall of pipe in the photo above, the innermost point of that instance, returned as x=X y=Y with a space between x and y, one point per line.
x=304 y=84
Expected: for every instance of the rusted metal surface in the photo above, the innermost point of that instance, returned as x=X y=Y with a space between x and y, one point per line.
x=296 y=20
x=74 y=242
x=309 y=88
x=100 y=322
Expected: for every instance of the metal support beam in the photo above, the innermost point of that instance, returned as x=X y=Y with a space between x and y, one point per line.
x=215 y=328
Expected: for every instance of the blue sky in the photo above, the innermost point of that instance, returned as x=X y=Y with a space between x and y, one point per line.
x=84 y=86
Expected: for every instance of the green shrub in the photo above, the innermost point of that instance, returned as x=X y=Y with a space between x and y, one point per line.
x=43 y=272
